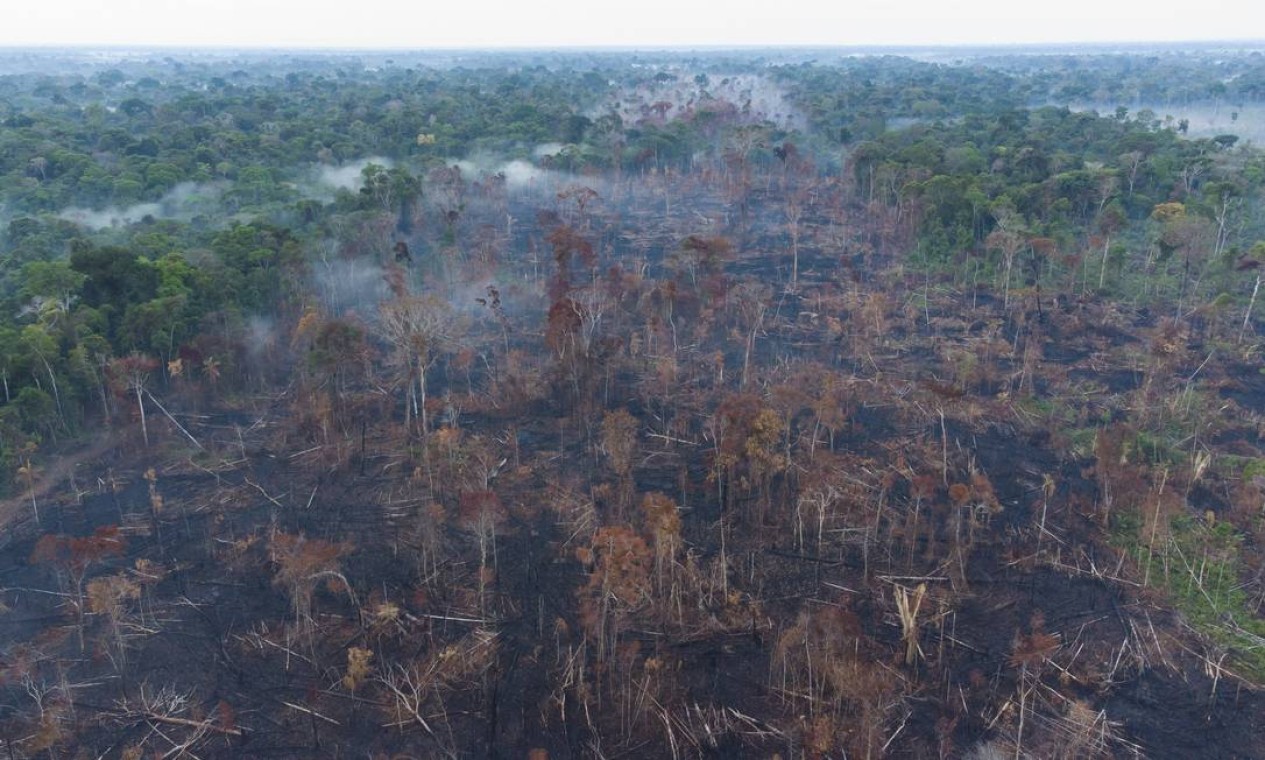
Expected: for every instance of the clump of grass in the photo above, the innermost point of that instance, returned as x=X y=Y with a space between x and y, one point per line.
x=1199 y=567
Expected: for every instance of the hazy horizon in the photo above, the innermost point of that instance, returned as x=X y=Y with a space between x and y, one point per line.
x=1055 y=45
x=657 y=24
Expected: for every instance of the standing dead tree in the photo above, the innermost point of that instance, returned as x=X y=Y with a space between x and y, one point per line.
x=419 y=327
x=752 y=303
x=301 y=564
x=131 y=373
x=821 y=663
x=619 y=585
x=27 y=470
x=74 y=557
x=663 y=522
x=619 y=441
x=112 y=597
x=480 y=512
x=1009 y=242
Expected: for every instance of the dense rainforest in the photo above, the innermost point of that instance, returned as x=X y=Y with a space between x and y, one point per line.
x=798 y=404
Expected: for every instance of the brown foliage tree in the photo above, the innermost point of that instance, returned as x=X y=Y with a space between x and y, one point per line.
x=480 y=512
x=663 y=523
x=419 y=327
x=619 y=441
x=74 y=556
x=619 y=563
x=824 y=663
x=301 y=564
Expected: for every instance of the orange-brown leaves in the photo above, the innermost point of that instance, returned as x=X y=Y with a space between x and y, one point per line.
x=619 y=439
x=824 y=662
x=301 y=563
x=924 y=486
x=359 y=667
x=662 y=518
x=480 y=510
x=621 y=562
x=982 y=491
x=77 y=553
x=225 y=717
x=567 y=243
x=130 y=372
x=305 y=327
x=1036 y=647
x=619 y=583
x=299 y=557
x=564 y=324
x=764 y=444
x=832 y=403
x=109 y=595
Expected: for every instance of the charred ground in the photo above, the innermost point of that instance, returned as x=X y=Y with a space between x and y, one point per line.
x=726 y=455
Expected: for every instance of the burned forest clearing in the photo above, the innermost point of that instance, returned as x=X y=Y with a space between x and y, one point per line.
x=599 y=405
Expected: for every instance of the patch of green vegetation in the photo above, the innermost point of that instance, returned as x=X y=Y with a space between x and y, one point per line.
x=1081 y=441
x=1199 y=567
x=1123 y=530
x=1056 y=412
x=1253 y=468
x=1158 y=448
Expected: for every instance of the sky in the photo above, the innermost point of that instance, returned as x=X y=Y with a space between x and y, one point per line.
x=627 y=23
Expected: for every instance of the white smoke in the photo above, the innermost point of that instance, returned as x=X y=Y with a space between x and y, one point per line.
x=753 y=98
x=321 y=182
x=348 y=285
x=519 y=174
x=545 y=150
x=261 y=338
x=349 y=175
x=184 y=201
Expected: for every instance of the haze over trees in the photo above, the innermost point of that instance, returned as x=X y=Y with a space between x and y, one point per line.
x=619 y=404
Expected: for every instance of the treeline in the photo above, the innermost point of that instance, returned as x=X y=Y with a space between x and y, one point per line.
x=108 y=140
x=120 y=136
x=941 y=167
